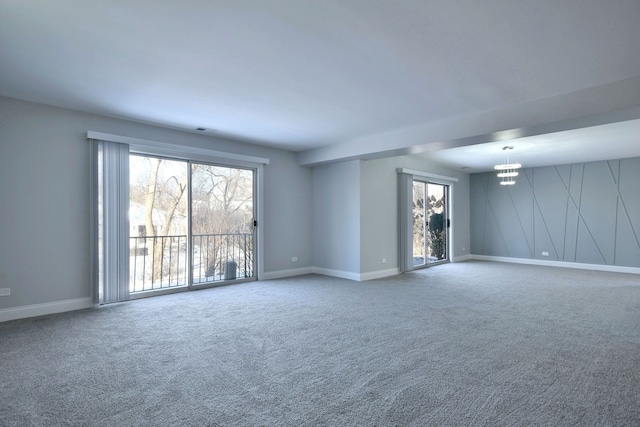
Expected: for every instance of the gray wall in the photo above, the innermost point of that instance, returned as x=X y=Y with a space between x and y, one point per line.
x=379 y=209
x=586 y=212
x=341 y=216
x=44 y=199
x=355 y=213
x=336 y=216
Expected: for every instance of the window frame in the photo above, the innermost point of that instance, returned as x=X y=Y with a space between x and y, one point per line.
x=190 y=154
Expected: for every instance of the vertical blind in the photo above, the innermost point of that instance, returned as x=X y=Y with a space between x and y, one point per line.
x=405 y=223
x=110 y=189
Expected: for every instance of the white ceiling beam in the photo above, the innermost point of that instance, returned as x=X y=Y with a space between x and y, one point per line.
x=609 y=103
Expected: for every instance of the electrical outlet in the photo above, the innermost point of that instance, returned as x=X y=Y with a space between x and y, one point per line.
x=5 y=292
x=544 y=253
x=294 y=259
x=384 y=260
x=464 y=249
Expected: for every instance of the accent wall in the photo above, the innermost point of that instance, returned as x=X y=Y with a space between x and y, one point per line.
x=584 y=213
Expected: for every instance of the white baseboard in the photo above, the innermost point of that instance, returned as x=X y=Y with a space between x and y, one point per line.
x=358 y=277
x=336 y=273
x=462 y=258
x=279 y=274
x=379 y=274
x=44 y=309
x=565 y=264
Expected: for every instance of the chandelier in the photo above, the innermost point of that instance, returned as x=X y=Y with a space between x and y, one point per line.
x=507 y=170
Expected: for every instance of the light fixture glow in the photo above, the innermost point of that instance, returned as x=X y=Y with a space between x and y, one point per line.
x=507 y=170
x=505 y=166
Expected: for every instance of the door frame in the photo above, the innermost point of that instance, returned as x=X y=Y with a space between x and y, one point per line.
x=405 y=214
x=446 y=223
x=118 y=243
x=258 y=266
x=256 y=214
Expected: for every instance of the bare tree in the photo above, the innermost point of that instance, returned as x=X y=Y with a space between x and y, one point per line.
x=221 y=214
x=161 y=195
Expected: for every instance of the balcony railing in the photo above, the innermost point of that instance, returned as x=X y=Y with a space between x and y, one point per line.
x=160 y=262
x=212 y=251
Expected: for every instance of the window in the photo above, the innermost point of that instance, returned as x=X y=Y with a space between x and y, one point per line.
x=158 y=223
x=430 y=223
x=425 y=208
x=165 y=223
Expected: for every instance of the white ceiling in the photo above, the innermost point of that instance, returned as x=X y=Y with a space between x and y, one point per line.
x=605 y=142
x=332 y=79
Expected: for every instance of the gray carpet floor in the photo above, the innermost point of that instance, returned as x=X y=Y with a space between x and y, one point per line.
x=472 y=343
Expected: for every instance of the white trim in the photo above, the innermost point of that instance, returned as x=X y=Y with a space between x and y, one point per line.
x=358 y=277
x=260 y=229
x=379 y=274
x=336 y=273
x=564 y=264
x=427 y=175
x=44 y=309
x=462 y=258
x=279 y=274
x=142 y=146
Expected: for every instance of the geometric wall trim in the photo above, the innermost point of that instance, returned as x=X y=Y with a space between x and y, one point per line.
x=584 y=213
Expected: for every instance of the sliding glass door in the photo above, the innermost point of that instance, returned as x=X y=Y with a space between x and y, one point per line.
x=222 y=223
x=157 y=223
x=430 y=223
x=190 y=224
